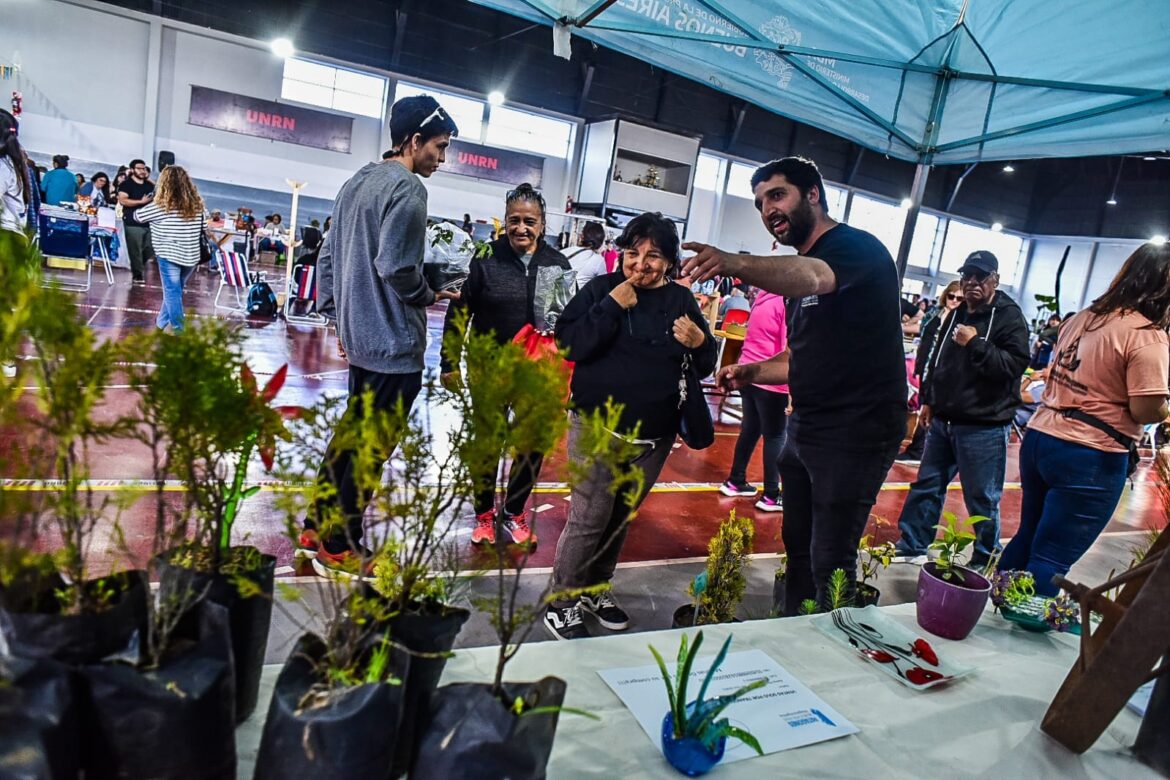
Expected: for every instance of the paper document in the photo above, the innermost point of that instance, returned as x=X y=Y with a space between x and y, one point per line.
x=783 y=714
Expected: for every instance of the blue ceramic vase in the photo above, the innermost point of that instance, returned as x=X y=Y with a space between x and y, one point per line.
x=688 y=755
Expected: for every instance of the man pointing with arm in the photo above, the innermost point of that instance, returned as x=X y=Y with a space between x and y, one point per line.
x=845 y=366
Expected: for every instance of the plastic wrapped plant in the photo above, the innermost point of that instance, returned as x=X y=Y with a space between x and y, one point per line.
x=692 y=731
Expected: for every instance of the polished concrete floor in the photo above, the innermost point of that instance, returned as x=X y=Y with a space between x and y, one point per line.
x=665 y=544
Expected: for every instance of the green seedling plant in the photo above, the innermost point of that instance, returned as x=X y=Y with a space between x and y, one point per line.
x=956 y=537
x=700 y=719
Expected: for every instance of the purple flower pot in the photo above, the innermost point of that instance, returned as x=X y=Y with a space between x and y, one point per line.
x=951 y=608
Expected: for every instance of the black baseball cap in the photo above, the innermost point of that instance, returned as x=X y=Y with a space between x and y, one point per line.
x=418 y=113
x=980 y=261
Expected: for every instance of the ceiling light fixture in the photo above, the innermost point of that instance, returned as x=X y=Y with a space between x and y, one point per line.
x=997 y=227
x=496 y=98
x=283 y=48
x=1111 y=202
x=1157 y=240
x=907 y=203
x=1116 y=180
x=1009 y=168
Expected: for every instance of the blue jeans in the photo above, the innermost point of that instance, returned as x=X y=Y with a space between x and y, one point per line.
x=978 y=454
x=1070 y=492
x=174 y=278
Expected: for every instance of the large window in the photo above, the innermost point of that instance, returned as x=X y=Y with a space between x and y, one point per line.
x=739 y=181
x=964 y=238
x=467 y=113
x=708 y=173
x=835 y=198
x=927 y=240
x=529 y=132
x=333 y=88
x=884 y=220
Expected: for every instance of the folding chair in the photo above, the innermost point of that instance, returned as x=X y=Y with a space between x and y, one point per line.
x=304 y=293
x=233 y=273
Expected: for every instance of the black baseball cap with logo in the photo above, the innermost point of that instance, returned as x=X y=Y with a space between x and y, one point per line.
x=418 y=114
x=980 y=261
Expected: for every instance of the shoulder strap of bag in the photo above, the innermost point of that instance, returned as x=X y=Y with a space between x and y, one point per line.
x=1099 y=424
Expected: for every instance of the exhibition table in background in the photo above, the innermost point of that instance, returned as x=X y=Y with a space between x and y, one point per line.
x=983 y=725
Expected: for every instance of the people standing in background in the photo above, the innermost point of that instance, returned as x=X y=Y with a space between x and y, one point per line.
x=951 y=299
x=970 y=391
x=119 y=177
x=14 y=177
x=765 y=407
x=134 y=193
x=325 y=228
x=736 y=300
x=467 y=226
x=177 y=222
x=371 y=283
x=1107 y=380
x=500 y=297
x=586 y=259
x=97 y=190
x=60 y=184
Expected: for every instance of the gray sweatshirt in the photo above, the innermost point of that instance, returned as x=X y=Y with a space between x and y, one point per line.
x=369 y=270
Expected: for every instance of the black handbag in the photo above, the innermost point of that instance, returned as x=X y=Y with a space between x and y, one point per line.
x=207 y=247
x=695 y=425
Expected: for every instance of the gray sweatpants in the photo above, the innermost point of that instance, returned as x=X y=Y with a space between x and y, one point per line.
x=588 y=550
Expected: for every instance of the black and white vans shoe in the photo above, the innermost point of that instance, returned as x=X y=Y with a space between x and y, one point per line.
x=605 y=609
x=565 y=622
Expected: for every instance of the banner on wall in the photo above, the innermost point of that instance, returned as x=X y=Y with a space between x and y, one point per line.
x=485 y=162
x=266 y=119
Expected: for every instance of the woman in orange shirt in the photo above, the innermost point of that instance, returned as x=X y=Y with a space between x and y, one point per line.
x=1108 y=377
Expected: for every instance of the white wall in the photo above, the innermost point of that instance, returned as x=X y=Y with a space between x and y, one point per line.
x=1042 y=274
x=702 y=220
x=86 y=97
x=741 y=229
x=83 y=77
x=1110 y=257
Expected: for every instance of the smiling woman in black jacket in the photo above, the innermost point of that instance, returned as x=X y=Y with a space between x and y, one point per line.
x=628 y=333
x=498 y=296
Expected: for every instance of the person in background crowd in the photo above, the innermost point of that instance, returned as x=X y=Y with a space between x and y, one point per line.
x=325 y=228
x=80 y=181
x=611 y=255
x=60 y=184
x=845 y=364
x=499 y=297
x=952 y=298
x=134 y=193
x=97 y=190
x=765 y=407
x=1042 y=352
x=119 y=177
x=911 y=317
x=271 y=236
x=467 y=226
x=628 y=332
x=970 y=390
x=148 y=171
x=14 y=177
x=736 y=300
x=177 y=222
x=1107 y=380
x=371 y=283
x=216 y=220
x=586 y=259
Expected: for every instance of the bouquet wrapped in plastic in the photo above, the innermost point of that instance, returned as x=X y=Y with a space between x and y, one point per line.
x=554 y=288
x=447 y=258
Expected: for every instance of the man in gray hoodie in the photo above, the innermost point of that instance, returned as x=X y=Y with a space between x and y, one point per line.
x=370 y=281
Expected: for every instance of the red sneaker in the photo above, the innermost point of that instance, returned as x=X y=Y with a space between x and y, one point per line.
x=485 y=528
x=308 y=544
x=517 y=528
x=347 y=565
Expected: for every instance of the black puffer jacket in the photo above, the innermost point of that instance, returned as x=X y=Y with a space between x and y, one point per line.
x=978 y=384
x=499 y=293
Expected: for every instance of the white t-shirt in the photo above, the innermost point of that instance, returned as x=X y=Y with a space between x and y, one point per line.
x=587 y=263
x=11 y=200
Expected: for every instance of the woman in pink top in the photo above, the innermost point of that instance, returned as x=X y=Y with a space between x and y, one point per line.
x=764 y=406
x=1107 y=378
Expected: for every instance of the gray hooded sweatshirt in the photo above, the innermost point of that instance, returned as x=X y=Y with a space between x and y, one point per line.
x=369 y=270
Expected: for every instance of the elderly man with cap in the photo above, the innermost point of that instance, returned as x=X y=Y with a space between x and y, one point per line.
x=970 y=390
x=370 y=281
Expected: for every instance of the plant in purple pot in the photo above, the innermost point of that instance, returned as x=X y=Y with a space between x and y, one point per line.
x=693 y=734
x=951 y=597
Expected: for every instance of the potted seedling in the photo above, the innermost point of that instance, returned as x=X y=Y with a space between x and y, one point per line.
x=204 y=417
x=694 y=735
x=872 y=558
x=512 y=404
x=719 y=588
x=951 y=597
x=779 y=580
x=58 y=610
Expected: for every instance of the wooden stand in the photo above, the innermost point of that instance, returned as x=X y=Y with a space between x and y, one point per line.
x=1117 y=657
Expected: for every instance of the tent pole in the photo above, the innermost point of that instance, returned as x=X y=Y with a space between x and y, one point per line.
x=921 y=174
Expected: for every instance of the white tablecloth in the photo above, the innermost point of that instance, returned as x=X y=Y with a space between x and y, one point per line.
x=985 y=725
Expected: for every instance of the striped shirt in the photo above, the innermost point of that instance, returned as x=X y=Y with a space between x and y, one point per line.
x=174 y=238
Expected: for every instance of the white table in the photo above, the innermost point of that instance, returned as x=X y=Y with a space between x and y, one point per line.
x=985 y=725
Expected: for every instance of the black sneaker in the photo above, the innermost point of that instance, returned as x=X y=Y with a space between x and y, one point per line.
x=138 y=281
x=605 y=609
x=732 y=489
x=565 y=622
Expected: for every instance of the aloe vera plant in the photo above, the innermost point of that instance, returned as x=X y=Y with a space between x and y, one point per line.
x=700 y=719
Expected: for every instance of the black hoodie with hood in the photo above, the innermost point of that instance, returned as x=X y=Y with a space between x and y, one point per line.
x=978 y=384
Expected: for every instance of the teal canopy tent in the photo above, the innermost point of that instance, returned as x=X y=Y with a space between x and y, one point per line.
x=928 y=81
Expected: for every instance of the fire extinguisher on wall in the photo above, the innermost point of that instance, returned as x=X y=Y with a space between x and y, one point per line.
x=17 y=99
